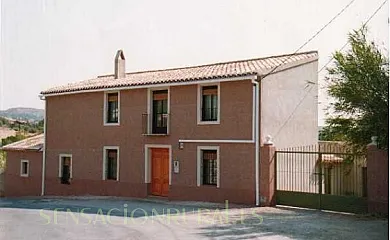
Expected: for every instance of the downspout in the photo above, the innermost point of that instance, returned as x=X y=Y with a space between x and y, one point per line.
x=44 y=147
x=256 y=91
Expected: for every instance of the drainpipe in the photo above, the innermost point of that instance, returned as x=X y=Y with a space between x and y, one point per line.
x=256 y=103
x=44 y=147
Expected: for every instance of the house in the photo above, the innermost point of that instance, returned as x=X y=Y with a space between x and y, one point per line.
x=191 y=133
x=23 y=175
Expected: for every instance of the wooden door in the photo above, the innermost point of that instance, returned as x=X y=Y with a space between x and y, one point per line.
x=160 y=171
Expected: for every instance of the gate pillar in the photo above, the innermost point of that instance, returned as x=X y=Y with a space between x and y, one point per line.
x=267 y=175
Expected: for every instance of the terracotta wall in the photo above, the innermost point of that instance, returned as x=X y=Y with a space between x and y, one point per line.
x=377 y=180
x=14 y=184
x=75 y=126
x=267 y=181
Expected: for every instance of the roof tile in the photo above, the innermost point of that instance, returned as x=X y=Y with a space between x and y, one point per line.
x=32 y=143
x=258 y=66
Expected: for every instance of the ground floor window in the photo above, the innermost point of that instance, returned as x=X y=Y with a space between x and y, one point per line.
x=111 y=166
x=24 y=168
x=65 y=168
x=208 y=166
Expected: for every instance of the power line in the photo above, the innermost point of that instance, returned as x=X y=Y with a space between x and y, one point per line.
x=310 y=39
x=322 y=68
x=364 y=24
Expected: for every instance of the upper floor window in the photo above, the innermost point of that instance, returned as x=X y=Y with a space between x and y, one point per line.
x=160 y=112
x=156 y=120
x=112 y=108
x=209 y=104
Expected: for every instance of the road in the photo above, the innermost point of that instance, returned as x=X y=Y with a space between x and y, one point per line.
x=112 y=218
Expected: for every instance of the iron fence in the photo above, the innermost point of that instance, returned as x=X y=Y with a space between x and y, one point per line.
x=322 y=174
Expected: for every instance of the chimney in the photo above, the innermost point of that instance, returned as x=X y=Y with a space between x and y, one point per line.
x=120 y=67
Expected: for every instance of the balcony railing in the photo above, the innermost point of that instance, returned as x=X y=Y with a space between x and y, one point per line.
x=155 y=124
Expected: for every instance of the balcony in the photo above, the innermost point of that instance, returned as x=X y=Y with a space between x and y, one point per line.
x=156 y=124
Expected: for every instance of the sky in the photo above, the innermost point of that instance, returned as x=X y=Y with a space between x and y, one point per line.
x=45 y=43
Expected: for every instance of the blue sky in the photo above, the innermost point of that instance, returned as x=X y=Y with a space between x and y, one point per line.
x=50 y=42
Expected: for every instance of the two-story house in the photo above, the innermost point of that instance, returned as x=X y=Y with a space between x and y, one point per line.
x=189 y=133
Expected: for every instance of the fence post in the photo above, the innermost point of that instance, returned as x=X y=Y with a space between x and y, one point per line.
x=319 y=179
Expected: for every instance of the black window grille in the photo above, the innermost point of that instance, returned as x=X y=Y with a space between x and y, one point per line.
x=209 y=162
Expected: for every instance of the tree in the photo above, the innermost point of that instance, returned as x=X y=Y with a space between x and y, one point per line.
x=359 y=84
x=2 y=160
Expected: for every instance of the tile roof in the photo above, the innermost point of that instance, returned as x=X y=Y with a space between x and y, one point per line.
x=259 y=66
x=31 y=143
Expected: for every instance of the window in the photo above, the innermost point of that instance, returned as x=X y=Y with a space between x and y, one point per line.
x=208 y=104
x=156 y=120
x=112 y=108
x=111 y=165
x=160 y=112
x=65 y=168
x=208 y=166
x=24 y=168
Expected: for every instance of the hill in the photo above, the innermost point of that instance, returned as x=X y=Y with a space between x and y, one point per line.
x=24 y=114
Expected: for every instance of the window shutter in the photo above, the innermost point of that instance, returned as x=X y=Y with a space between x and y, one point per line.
x=201 y=171
x=112 y=97
x=105 y=168
x=60 y=167
x=212 y=90
x=160 y=96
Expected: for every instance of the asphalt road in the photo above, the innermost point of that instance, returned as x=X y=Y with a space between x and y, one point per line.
x=111 y=218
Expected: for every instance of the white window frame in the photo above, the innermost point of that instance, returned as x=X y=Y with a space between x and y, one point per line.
x=105 y=148
x=21 y=168
x=150 y=109
x=198 y=164
x=62 y=155
x=199 y=104
x=148 y=161
x=105 y=123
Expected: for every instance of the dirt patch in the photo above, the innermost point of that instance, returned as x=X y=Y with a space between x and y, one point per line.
x=6 y=132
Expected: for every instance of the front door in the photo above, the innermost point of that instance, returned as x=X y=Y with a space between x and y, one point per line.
x=160 y=171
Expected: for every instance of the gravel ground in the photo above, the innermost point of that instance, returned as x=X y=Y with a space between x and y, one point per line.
x=103 y=218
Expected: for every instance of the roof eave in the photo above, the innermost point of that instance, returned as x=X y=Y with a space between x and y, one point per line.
x=247 y=76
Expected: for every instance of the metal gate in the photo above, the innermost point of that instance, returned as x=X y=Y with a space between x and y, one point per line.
x=323 y=176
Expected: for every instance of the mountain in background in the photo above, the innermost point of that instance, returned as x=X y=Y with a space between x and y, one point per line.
x=24 y=114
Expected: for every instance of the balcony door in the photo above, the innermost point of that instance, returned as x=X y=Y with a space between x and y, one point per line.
x=160 y=112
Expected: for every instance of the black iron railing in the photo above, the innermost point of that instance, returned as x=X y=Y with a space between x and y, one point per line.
x=157 y=123
x=327 y=168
